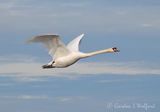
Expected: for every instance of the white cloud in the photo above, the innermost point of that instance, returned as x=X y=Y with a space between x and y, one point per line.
x=54 y=16
x=33 y=69
x=77 y=4
x=112 y=80
x=31 y=97
x=147 y=25
x=67 y=99
x=17 y=58
x=29 y=79
x=27 y=71
x=64 y=99
x=61 y=99
x=26 y=97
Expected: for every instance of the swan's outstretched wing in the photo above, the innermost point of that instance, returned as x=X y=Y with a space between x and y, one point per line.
x=74 y=44
x=53 y=43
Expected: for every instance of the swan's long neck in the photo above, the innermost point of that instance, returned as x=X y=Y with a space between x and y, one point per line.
x=110 y=50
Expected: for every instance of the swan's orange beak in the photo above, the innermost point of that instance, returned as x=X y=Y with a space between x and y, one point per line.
x=115 y=49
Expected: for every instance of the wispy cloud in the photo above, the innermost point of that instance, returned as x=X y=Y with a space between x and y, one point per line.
x=112 y=80
x=147 y=25
x=67 y=99
x=60 y=99
x=33 y=69
x=26 y=97
x=29 y=97
x=60 y=14
x=17 y=58
x=30 y=79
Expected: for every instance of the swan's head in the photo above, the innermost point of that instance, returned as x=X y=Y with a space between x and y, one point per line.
x=115 y=49
x=112 y=50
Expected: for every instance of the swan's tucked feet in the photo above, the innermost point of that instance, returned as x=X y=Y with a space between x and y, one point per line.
x=47 y=66
x=115 y=49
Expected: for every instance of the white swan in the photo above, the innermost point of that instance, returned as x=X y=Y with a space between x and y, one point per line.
x=64 y=56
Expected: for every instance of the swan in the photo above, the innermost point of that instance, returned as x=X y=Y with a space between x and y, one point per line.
x=65 y=55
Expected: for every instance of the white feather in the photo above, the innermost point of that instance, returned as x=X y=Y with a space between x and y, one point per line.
x=55 y=46
x=65 y=56
x=74 y=44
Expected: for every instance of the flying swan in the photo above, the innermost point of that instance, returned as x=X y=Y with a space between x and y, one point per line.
x=64 y=56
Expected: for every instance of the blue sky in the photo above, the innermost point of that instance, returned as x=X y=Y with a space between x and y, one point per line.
x=130 y=77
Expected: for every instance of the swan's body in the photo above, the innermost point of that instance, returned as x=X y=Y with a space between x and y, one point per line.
x=64 y=56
